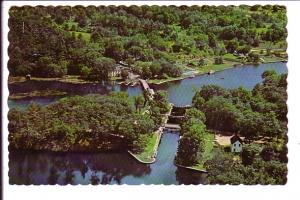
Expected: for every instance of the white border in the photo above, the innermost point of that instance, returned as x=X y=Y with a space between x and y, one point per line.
x=175 y=192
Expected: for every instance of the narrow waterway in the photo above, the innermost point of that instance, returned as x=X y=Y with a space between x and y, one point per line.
x=116 y=167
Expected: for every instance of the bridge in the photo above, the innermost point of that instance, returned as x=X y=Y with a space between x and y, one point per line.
x=146 y=87
x=172 y=127
x=174 y=117
x=178 y=114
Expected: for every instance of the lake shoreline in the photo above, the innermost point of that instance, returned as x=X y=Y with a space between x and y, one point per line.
x=197 y=73
x=75 y=80
x=191 y=168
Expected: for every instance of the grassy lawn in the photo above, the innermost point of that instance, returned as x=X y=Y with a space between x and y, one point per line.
x=267 y=59
x=215 y=67
x=231 y=57
x=85 y=36
x=207 y=154
x=158 y=81
x=147 y=155
x=67 y=79
x=116 y=78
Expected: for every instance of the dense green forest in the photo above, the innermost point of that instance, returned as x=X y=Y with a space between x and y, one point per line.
x=87 y=123
x=154 y=41
x=195 y=141
x=261 y=112
x=259 y=115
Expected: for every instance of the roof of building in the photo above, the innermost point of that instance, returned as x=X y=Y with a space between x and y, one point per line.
x=235 y=138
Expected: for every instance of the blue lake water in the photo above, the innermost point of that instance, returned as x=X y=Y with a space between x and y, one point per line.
x=179 y=92
x=116 y=167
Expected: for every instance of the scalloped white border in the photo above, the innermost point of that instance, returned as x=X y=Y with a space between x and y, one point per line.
x=152 y=192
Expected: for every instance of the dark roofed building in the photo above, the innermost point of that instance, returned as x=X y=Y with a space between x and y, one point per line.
x=236 y=143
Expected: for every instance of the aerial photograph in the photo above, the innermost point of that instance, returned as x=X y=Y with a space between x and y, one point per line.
x=163 y=95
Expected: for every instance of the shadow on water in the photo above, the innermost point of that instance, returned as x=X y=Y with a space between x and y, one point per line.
x=72 y=168
x=189 y=177
x=71 y=90
x=103 y=87
x=100 y=168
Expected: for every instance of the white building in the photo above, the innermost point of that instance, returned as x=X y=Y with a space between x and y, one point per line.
x=236 y=144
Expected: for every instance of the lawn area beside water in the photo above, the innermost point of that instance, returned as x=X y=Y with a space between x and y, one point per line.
x=149 y=153
x=206 y=155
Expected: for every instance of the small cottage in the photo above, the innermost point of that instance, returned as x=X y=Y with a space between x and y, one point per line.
x=236 y=143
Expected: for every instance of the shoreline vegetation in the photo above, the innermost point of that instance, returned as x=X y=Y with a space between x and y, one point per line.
x=259 y=116
x=37 y=93
x=75 y=79
x=92 y=123
x=149 y=153
x=78 y=80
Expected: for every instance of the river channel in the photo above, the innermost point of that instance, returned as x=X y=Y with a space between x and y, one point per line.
x=117 y=167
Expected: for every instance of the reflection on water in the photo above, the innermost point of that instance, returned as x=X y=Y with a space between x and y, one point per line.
x=100 y=168
x=23 y=103
x=72 y=168
x=71 y=89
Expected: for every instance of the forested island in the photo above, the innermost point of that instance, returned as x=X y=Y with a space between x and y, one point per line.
x=160 y=43
x=89 y=123
x=259 y=115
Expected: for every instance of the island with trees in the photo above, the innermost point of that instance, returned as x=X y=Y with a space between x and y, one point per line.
x=259 y=115
x=88 y=123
